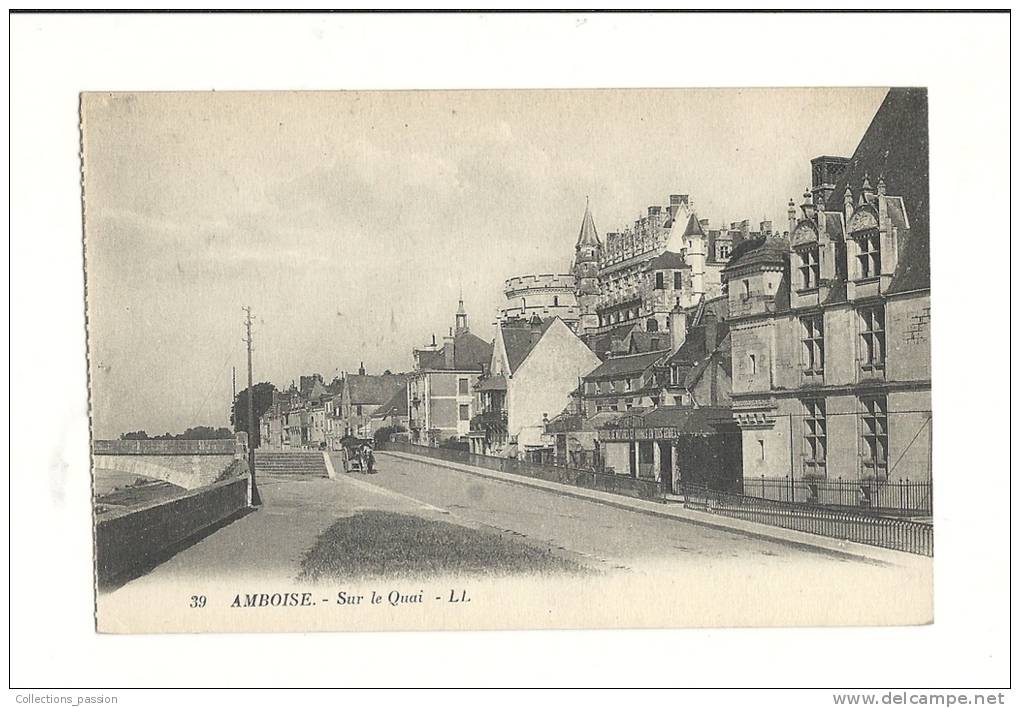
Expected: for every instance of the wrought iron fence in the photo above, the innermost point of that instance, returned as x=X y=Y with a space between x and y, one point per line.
x=897 y=534
x=902 y=497
x=586 y=478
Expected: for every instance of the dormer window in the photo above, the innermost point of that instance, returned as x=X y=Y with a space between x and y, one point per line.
x=869 y=256
x=808 y=267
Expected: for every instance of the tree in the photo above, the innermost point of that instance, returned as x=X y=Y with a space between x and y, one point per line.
x=204 y=432
x=385 y=433
x=239 y=411
x=136 y=435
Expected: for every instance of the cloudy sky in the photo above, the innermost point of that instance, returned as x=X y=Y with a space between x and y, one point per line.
x=350 y=221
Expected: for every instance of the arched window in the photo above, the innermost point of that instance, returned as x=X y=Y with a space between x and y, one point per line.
x=652 y=325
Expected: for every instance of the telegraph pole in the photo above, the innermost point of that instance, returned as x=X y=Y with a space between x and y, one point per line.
x=256 y=500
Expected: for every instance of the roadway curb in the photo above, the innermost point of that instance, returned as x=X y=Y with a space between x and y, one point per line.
x=832 y=546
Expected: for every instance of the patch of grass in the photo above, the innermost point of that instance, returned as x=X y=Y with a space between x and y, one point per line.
x=379 y=544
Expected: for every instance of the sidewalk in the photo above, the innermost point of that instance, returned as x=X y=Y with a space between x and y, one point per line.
x=676 y=511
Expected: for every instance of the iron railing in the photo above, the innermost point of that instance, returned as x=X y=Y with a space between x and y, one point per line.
x=586 y=478
x=900 y=497
x=897 y=534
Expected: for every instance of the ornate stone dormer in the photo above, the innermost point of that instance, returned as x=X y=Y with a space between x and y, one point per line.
x=814 y=243
x=873 y=230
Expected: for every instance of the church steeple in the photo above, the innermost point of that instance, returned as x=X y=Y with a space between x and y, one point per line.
x=462 y=318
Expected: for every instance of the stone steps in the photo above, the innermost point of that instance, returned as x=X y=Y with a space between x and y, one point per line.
x=301 y=463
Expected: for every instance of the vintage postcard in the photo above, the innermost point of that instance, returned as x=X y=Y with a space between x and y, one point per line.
x=509 y=359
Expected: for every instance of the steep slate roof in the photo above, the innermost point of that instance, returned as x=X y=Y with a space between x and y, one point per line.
x=641 y=342
x=318 y=391
x=374 y=388
x=517 y=341
x=396 y=406
x=626 y=365
x=668 y=260
x=588 y=236
x=770 y=250
x=895 y=148
x=469 y=352
x=602 y=343
x=693 y=227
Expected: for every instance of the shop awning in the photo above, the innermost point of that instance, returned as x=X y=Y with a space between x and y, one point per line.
x=668 y=423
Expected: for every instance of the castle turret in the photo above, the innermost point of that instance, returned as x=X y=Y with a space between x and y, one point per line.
x=587 y=259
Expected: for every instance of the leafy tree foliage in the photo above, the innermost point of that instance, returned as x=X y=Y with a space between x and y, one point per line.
x=239 y=411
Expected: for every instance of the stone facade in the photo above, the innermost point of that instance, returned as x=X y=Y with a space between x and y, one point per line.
x=546 y=294
x=830 y=327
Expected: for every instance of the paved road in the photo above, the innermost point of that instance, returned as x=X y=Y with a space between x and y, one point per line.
x=667 y=572
x=272 y=541
x=597 y=534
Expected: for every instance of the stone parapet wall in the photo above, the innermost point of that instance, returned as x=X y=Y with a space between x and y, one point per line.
x=129 y=541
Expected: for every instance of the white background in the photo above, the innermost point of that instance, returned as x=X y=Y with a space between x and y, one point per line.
x=964 y=60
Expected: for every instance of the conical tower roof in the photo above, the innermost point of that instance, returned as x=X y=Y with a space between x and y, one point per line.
x=588 y=236
x=694 y=227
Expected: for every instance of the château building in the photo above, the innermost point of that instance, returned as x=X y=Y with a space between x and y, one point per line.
x=830 y=327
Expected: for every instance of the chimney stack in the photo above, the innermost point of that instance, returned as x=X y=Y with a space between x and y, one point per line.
x=677 y=329
x=449 y=351
x=711 y=332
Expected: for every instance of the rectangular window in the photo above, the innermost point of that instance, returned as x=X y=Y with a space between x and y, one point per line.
x=872 y=354
x=808 y=268
x=465 y=412
x=660 y=281
x=677 y=284
x=462 y=387
x=869 y=256
x=812 y=337
x=814 y=438
x=359 y=409
x=874 y=438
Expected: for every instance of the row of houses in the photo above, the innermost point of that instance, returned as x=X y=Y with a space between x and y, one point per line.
x=686 y=354
x=691 y=354
x=314 y=414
